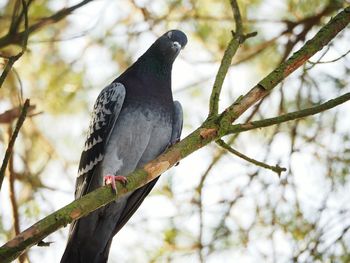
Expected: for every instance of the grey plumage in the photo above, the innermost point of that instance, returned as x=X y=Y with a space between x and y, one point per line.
x=134 y=120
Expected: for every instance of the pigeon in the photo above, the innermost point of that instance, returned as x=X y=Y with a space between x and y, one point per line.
x=134 y=120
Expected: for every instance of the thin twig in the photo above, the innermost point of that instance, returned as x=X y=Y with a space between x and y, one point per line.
x=330 y=61
x=307 y=23
x=15 y=18
x=13 y=140
x=237 y=16
x=26 y=26
x=277 y=169
x=12 y=191
x=13 y=199
x=8 y=67
x=12 y=114
x=15 y=24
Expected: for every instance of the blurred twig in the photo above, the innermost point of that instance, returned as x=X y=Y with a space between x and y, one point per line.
x=330 y=61
x=24 y=42
x=13 y=140
x=307 y=23
x=12 y=192
x=12 y=114
x=18 y=37
x=8 y=67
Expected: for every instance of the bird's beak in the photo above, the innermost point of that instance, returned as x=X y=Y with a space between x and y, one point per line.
x=177 y=45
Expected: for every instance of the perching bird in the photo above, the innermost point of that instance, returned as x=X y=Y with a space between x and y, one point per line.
x=134 y=120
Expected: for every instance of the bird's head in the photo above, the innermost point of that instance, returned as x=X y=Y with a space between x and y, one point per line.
x=168 y=46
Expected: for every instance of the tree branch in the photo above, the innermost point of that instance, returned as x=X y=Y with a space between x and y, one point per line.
x=321 y=39
x=237 y=39
x=12 y=114
x=8 y=67
x=13 y=140
x=277 y=169
x=289 y=116
x=211 y=130
x=237 y=16
x=18 y=37
x=13 y=199
x=24 y=41
x=12 y=191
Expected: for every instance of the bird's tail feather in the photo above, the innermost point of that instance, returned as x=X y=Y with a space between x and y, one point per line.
x=91 y=236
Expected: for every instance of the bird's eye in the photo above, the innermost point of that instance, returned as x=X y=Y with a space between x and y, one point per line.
x=169 y=34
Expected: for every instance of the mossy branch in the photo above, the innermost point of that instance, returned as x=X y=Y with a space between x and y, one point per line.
x=211 y=130
x=237 y=39
x=321 y=39
x=237 y=128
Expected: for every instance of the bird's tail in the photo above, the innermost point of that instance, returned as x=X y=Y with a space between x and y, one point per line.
x=90 y=237
x=86 y=246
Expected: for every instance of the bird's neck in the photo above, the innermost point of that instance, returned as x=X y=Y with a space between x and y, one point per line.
x=149 y=78
x=153 y=65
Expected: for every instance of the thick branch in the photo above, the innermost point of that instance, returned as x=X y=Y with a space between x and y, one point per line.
x=212 y=129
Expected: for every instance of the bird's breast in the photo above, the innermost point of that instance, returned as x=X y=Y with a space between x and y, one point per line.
x=140 y=134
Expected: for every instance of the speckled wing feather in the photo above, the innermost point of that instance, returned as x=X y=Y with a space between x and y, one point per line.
x=104 y=116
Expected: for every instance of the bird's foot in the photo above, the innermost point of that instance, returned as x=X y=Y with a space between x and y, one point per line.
x=111 y=179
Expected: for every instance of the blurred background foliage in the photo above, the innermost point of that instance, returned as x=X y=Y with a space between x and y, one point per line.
x=214 y=207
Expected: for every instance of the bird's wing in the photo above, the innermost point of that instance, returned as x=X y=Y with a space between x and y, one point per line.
x=177 y=122
x=137 y=197
x=104 y=116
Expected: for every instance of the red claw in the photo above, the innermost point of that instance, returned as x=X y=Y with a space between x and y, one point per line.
x=111 y=179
